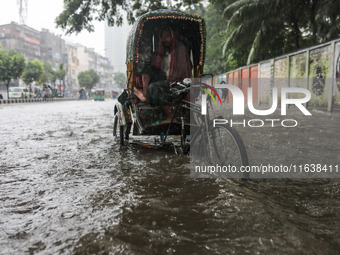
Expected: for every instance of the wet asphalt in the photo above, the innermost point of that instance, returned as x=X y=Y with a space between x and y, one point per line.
x=67 y=188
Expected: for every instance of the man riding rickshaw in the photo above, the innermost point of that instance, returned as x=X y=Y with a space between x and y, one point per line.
x=165 y=58
x=164 y=47
x=171 y=62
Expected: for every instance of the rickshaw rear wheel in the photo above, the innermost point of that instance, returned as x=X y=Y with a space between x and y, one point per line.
x=228 y=147
x=221 y=145
x=118 y=130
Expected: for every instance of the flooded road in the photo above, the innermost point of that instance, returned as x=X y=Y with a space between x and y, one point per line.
x=66 y=188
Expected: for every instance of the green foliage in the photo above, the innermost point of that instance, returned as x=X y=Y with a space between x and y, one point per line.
x=48 y=75
x=120 y=80
x=245 y=31
x=79 y=14
x=12 y=65
x=33 y=71
x=269 y=28
x=60 y=73
x=85 y=80
x=88 y=79
x=215 y=62
x=95 y=76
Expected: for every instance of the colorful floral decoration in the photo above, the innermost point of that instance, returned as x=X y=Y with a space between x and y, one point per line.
x=137 y=29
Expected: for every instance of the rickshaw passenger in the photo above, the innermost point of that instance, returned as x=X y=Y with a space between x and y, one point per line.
x=171 y=63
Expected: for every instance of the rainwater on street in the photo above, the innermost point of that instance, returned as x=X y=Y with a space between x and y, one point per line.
x=67 y=188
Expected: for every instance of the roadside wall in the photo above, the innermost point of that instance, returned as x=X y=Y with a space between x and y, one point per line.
x=316 y=68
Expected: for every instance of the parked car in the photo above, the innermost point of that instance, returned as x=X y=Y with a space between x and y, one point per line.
x=18 y=92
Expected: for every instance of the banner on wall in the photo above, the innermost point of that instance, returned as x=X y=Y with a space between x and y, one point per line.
x=319 y=70
x=337 y=74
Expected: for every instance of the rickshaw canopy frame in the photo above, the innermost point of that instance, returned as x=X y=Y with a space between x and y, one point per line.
x=137 y=29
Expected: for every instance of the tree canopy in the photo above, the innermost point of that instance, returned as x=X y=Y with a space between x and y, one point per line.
x=48 y=75
x=245 y=31
x=94 y=75
x=215 y=61
x=88 y=79
x=33 y=71
x=79 y=14
x=268 y=28
x=120 y=80
x=60 y=73
x=12 y=65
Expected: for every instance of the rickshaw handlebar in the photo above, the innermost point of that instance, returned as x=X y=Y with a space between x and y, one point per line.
x=177 y=83
x=178 y=88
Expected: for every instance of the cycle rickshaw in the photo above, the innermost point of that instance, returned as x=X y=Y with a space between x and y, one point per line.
x=133 y=118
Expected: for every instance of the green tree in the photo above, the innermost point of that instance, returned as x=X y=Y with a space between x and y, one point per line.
x=48 y=75
x=261 y=28
x=60 y=74
x=94 y=76
x=215 y=62
x=324 y=22
x=79 y=15
x=12 y=65
x=255 y=29
x=33 y=71
x=85 y=80
x=88 y=79
x=268 y=28
x=120 y=80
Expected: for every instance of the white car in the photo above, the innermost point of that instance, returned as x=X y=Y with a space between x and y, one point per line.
x=18 y=92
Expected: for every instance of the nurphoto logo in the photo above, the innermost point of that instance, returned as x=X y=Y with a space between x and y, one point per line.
x=238 y=105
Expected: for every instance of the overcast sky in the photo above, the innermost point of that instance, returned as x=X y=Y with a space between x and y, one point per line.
x=42 y=14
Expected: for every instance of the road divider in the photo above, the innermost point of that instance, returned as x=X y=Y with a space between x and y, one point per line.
x=35 y=100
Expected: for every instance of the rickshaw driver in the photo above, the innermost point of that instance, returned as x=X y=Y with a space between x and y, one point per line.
x=172 y=63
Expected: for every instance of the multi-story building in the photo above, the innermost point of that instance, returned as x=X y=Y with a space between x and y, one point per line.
x=21 y=38
x=89 y=59
x=105 y=72
x=72 y=67
x=115 y=46
x=52 y=49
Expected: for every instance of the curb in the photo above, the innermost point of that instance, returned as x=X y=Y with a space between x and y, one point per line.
x=34 y=100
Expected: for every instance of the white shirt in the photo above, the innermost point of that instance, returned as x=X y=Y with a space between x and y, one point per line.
x=166 y=63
